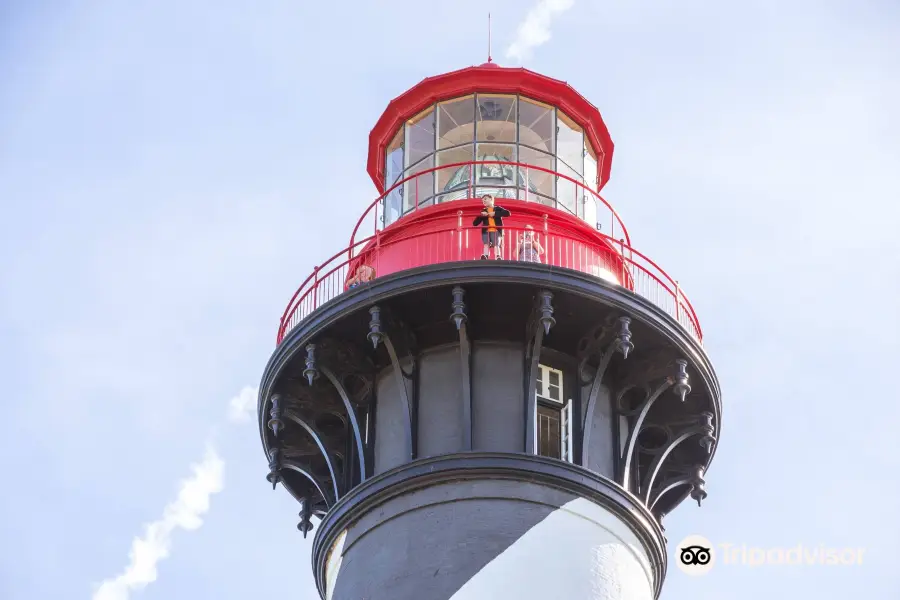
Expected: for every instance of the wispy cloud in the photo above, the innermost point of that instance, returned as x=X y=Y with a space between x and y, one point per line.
x=242 y=406
x=185 y=513
x=534 y=31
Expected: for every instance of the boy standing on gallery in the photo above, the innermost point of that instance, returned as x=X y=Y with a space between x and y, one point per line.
x=491 y=221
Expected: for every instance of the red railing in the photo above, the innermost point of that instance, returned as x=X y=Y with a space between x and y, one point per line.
x=603 y=257
x=421 y=187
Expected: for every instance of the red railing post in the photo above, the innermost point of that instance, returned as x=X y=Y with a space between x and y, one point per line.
x=459 y=233
x=677 y=302
x=377 y=251
x=625 y=281
x=575 y=199
x=527 y=183
x=547 y=243
x=315 y=287
x=417 y=192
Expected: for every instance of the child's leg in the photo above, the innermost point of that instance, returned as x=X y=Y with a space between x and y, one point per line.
x=498 y=246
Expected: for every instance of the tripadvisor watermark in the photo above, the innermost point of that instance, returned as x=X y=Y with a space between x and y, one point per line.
x=696 y=555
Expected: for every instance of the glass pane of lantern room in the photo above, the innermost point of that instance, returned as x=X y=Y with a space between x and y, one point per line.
x=569 y=143
x=419 y=137
x=537 y=125
x=393 y=172
x=591 y=208
x=418 y=191
x=455 y=182
x=540 y=182
x=568 y=193
x=456 y=122
x=493 y=176
x=496 y=118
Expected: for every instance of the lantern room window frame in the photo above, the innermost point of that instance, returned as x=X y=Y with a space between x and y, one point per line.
x=427 y=188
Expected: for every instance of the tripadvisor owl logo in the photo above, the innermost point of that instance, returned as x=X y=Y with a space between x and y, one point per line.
x=695 y=555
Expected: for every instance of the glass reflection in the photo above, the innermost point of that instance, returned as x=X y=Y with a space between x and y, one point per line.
x=419 y=190
x=393 y=172
x=570 y=144
x=450 y=178
x=537 y=125
x=496 y=118
x=419 y=137
x=501 y=181
x=540 y=183
x=589 y=212
x=456 y=122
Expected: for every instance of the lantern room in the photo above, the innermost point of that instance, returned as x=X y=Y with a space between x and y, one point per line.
x=508 y=132
x=534 y=144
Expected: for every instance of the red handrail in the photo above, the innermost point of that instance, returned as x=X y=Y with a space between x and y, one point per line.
x=614 y=216
x=328 y=280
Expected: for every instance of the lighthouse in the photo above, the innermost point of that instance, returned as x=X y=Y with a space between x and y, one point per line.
x=488 y=391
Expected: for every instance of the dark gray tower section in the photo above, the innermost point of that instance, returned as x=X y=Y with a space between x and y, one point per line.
x=487 y=429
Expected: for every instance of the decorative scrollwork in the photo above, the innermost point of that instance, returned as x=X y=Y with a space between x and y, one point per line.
x=310 y=372
x=622 y=343
x=704 y=429
x=682 y=387
x=636 y=427
x=459 y=318
x=693 y=478
x=698 y=484
x=351 y=416
x=542 y=321
x=546 y=310
x=315 y=481
x=275 y=423
x=317 y=439
x=305 y=525
x=275 y=466
x=376 y=335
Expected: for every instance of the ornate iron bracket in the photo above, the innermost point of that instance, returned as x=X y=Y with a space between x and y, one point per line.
x=460 y=319
x=695 y=480
x=682 y=388
x=310 y=372
x=351 y=416
x=545 y=321
x=679 y=383
x=622 y=343
x=317 y=439
x=705 y=429
x=376 y=336
x=275 y=466
x=275 y=424
x=305 y=525
x=317 y=483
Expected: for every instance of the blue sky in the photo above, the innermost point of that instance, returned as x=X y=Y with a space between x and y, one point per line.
x=159 y=166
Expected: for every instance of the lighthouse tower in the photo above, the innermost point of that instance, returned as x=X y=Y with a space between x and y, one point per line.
x=471 y=429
